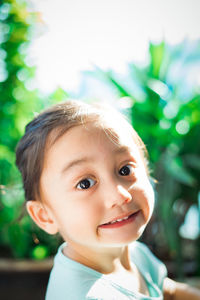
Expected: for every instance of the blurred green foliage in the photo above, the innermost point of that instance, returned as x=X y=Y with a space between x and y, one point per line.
x=164 y=107
x=19 y=101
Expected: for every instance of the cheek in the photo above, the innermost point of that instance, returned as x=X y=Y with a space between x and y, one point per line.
x=149 y=197
x=80 y=225
x=144 y=196
x=83 y=214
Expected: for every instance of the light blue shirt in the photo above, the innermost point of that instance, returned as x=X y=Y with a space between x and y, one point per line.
x=70 y=280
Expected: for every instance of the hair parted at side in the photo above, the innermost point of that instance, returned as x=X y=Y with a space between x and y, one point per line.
x=59 y=118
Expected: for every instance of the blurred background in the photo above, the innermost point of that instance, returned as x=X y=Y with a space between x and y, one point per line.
x=143 y=58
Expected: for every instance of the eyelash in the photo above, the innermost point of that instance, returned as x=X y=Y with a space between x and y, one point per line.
x=85 y=179
x=127 y=165
x=88 y=180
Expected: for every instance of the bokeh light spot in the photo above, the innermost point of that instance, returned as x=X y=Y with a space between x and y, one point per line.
x=40 y=252
x=182 y=127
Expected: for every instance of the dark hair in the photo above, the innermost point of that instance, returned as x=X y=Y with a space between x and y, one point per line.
x=31 y=148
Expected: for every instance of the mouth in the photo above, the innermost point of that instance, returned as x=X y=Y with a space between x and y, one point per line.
x=118 y=222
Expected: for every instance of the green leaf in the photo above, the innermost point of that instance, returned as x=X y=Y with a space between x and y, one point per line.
x=176 y=169
x=192 y=161
x=157 y=54
x=120 y=88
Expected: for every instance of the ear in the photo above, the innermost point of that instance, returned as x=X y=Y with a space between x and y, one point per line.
x=41 y=216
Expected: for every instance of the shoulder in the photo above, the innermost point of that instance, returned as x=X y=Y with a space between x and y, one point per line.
x=69 y=279
x=140 y=250
x=141 y=253
x=148 y=264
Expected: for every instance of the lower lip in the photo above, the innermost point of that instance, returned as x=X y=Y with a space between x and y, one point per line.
x=121 y=223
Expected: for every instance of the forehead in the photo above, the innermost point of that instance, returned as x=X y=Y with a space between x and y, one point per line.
x=116 y=133
x=90 y=143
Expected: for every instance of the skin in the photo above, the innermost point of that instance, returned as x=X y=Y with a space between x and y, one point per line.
x=85 y=156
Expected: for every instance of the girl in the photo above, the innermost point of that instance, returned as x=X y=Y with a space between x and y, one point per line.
x=85 y=176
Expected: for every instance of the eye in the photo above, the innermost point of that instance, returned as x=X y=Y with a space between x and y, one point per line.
x=85 y=184
x=126 y=170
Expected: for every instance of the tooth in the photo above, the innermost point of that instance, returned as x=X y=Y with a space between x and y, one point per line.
x=118 y=220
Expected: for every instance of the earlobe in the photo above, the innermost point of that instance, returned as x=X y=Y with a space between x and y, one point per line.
x=41 y=217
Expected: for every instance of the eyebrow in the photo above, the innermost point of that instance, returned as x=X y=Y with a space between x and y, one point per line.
x=86 y=159
x=122 y=150
x=75 y=162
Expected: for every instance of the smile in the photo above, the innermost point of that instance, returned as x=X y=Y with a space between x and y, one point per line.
x=118 y=220
x=121 y=221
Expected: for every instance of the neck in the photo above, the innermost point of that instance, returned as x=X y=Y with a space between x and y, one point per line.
x=104 y=260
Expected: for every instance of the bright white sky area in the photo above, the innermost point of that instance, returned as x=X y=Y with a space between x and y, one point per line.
x=106 y=33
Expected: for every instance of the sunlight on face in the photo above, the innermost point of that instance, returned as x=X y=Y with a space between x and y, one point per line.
x=89 y=181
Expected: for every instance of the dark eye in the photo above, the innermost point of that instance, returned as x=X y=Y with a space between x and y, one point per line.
x=126 y=170
x=85 y=184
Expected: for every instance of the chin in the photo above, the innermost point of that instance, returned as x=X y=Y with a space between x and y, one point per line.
x=123 y=241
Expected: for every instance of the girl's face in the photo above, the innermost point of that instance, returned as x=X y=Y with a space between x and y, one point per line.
x=89 y=181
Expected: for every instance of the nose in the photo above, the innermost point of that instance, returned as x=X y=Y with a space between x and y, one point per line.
x=116 y=195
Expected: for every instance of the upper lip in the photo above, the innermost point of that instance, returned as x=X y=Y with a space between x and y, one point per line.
x=127 y=214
